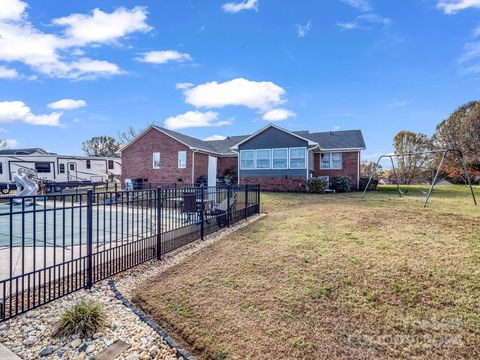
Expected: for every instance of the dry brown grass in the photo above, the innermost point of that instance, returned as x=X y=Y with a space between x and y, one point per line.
x=332 y=277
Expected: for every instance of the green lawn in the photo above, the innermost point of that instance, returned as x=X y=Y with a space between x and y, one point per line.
x=332 y=276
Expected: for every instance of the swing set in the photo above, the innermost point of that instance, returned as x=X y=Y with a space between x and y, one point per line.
x=444 y=153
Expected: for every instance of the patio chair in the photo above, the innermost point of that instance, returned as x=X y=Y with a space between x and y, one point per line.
x=190 y=205
x=220 y=211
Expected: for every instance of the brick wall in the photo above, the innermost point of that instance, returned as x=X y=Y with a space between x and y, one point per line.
x=227 y=163
x=137 y=159
x=201 y=165
x=349 y=167
x=277 y=183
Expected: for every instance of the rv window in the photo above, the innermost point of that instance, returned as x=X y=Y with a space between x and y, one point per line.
x=110 y=164
x=71 y=167
x=61 y=168
x=1 y=168
x=87 y=163
x=42 y=167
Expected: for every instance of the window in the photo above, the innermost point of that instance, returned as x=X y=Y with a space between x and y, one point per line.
x=331 y=160
x=182 y=159
x=297 y=158
x=280 y=158
x=87 y=163
x=42 y=167
x=61 y=168
x=110 y=164
x=71 y=167
x=246 y=159
x=156 y=160
x=263 y=159
x=1 y=168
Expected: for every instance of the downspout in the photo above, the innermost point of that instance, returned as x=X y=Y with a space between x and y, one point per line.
x=238 y=166
x=193 y=166
x=358 y=170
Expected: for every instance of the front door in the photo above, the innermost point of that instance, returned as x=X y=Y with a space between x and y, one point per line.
x=72 y=171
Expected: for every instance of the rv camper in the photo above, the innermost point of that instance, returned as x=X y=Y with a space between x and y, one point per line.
x=62 y=170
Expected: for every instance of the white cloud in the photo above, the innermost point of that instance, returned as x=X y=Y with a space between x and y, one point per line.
x=12 y=111
x=162 y=57
x=278 y=115
x=261 y=95
x=59 y=55
x=454 y=6
x=12 y=10
x=102 y=27
x=349 y=25
x=362 y=5
x=194 y=119
x=215 y=137
x=303 y=30
x=67 y=104
x=6 y=73
x=374 y=18
x=183 y=86
x=399 y=103
x=234 y=7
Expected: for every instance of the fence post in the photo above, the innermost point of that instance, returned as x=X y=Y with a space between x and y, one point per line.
x=246 y=201
x=258 y=198
x=159 y=223
x=202 y=211
x=89 y=238
x=228 y=205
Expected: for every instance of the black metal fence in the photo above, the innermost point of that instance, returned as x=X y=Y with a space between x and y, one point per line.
x=53 y=245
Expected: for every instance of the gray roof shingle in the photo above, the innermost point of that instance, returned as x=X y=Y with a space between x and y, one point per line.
x=326 y=140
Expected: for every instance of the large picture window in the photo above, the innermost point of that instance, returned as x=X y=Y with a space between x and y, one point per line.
x=156 y=160
x=297 y=158
x=331 y=160
x=182 y=159
x=280 y=158
x=246 y=159
x=263 y=159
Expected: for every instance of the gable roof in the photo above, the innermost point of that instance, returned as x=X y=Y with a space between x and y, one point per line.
x=330 y=140
x=310 y=142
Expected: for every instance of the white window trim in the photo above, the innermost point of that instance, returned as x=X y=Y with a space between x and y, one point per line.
x=331 y=162
x=288 y=159
x=304 y=158
x=254 y=159
x=270 y=162
x=159 y=160
x=178 y=159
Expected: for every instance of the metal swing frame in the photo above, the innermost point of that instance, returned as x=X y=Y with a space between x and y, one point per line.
x=444 y=153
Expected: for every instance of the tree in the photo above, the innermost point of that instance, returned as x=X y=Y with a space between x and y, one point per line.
x=410 y=166
x=367 y=168
x=124 y=137
x=461 y=130
x=104 y=146
x=3 y=144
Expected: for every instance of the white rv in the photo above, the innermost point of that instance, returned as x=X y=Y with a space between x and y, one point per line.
x=53 y=168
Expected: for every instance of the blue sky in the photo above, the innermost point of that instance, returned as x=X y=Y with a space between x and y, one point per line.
x=70 y=70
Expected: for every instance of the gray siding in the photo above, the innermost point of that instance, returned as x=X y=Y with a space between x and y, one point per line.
x=270 y=139
x=273 y=138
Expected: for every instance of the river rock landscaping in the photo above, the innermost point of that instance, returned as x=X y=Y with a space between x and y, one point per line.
x=30 y=335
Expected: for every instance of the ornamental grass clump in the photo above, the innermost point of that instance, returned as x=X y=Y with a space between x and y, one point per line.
x=83 y=319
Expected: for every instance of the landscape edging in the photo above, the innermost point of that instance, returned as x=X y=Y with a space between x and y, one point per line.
x=169 y=340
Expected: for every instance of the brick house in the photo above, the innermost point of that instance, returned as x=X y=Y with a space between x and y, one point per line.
x=276 y=158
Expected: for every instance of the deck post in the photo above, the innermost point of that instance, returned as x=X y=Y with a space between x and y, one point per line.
x=159 y=223
x=89 y=238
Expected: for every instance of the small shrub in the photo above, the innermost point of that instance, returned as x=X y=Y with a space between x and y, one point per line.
x=341 y=183
x=317 y=185
x=373 y=184
x=83 y=319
